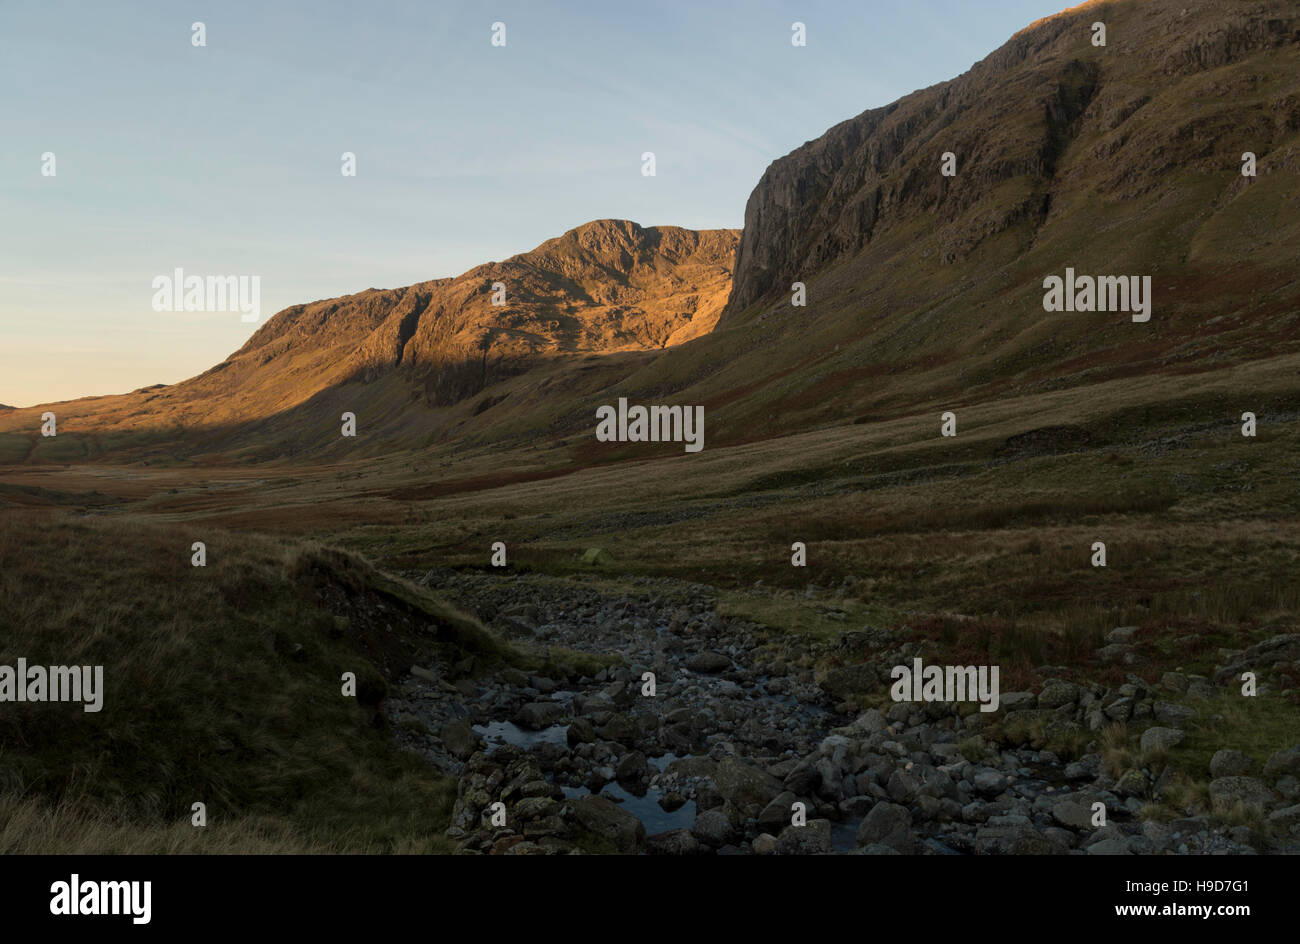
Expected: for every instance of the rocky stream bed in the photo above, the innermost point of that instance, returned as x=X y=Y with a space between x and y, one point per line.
x=740 y=731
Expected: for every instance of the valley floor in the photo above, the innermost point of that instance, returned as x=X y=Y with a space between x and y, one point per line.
x=772 y=678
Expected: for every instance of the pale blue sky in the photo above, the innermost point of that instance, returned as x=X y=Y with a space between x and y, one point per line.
x=225 y=160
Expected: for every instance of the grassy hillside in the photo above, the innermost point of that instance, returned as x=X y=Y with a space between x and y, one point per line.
x=222 y=685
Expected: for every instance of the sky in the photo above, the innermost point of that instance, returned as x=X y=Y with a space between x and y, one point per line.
x=226 y=159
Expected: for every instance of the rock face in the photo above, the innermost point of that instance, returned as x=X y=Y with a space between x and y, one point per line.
x=869 y=179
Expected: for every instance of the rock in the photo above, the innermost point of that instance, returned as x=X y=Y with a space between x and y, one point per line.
x=672 y=842
x=776 y=815
x=525 y=848
x=581 y=731
x=535 y=808
x=671 y=801
x=746 y=788
x=1225 y=792
x=1109 y=847
x=459 y=739
x=1131 y=783
x=990 y=783
x=620 y=729
x=1073 y=814
x=1006 y=840
x=850 y=680
x=503 y=845
x=812 y=839
x=890 y=825
x=1172 y=715
x=693 y=767
x=606 y=819
x=546 y=826
x=1176 y=681
x=1119 y=710
x=713 y=828
x=514 y=677
x=1122 y=634
x=540 y=714
x=1160 y=739
x=631 y=768
x=765 y=844
x=903 y=785
x=1230 y=763
x=1030 y=842
x=1015 y=701
x=1116 y=652
x=1058 y=692
x=1085 y=768
x=708 y=662
x=1282 y=763
x=1282 y=648
x=1285 y=817
x=870 y=722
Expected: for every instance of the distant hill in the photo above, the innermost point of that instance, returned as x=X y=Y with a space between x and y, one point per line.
x=605 y=287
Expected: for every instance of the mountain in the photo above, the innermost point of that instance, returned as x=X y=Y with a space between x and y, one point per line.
x=606 y=287
x=1117 y=160
x=924 y=292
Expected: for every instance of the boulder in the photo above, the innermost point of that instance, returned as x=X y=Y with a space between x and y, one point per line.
x=1109 y=847
x=1285 y=818
x=1058 y=692
x=1283 y=763
x=1231 y=763
x=1159 y=738
x=708 y=662
x=1172 y=715
x=459 y=739
x=747 y=789
x=990 y=783
x=850 y=680
x=537 y=715
x=713 y=828
x=1249 y=791
x=812 y=839
x=672 y=842
x=890 y=825
x=606 y=819
x=1282 y=648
